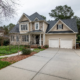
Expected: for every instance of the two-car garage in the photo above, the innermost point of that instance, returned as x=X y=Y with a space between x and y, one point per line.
x=60 y=43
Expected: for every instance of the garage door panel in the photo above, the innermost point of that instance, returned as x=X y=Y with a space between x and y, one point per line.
x=54 y=43
x=65 y=43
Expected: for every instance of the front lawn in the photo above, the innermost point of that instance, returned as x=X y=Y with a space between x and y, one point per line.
x=38 y=50
x=4 y=64
x=6 y=50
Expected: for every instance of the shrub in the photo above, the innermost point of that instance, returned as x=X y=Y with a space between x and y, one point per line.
x=28 y=46
x=26 y=51
x=39 y=47
x=25 y=46
x=46 y=46
x=6 y=42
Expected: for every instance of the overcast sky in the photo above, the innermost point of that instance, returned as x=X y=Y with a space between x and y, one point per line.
x=43 y=7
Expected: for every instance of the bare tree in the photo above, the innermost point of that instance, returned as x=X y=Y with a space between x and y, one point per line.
x=7 y=8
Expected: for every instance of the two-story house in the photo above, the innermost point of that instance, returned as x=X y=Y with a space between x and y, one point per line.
x=35 y=30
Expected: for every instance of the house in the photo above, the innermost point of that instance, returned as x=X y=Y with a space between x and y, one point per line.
x=35 y=30
x=1 y=32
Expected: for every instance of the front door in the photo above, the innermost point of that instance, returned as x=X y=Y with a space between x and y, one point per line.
x=37 y=39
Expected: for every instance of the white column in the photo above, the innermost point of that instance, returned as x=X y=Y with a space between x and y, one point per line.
x=29 y=38
x=40 y=39
x=43 y=39
x=43 y=26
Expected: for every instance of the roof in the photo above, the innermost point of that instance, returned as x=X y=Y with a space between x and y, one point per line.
x=15 y=29
x=71 y=23
x=61 y=32
x=34 y=31
x=35 y=15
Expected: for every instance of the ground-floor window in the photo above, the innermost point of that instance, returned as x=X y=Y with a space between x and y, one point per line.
x=12 y=38
x=17 y=38
x=25 y=37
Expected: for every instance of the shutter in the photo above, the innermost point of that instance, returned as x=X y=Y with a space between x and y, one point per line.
x=62 y=26
x=57 y=26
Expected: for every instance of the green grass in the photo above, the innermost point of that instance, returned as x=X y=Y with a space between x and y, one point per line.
x=6 y=50
x=4 y=64
x=37 y=50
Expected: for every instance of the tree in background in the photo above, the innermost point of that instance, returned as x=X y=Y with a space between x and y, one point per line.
x=62 y=12
x=7 y=9
x=43 y=17
x=8 y=28
x=78 y=23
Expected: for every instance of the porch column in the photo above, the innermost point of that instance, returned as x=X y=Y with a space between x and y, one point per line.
x=43 y=39
x=29 y=38
x=40 y=39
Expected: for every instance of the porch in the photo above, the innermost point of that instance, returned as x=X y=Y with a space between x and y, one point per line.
x=37 y=39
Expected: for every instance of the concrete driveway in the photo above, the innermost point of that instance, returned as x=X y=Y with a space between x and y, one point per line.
x=50 y=64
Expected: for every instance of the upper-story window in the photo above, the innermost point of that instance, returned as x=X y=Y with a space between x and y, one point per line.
x=60 y=26
x=37 y=26
x=24 y=27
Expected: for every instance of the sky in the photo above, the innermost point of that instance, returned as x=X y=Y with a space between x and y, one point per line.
x=43 y=7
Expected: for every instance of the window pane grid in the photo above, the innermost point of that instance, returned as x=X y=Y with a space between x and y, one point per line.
x=24 y=27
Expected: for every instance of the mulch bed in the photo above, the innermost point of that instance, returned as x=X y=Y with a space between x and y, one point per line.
x=14 y=59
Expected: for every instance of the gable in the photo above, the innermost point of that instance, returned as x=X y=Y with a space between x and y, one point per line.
x=23 y=18
x=69 y=23
x=65 y=28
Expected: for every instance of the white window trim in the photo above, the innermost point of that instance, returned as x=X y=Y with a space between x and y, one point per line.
x=25 y=24
x=59 y=28
x=35 y=25
x=36 y=18
x=26 y=38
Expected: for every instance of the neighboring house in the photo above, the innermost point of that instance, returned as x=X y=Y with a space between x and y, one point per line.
x=1 y=32
x=34 y=30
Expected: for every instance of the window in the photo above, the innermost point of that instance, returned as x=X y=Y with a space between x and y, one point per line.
x=37 y=26
x=12 y=38
x=25 y=37
x=17 y=38
x=60 y=26
x=24 y=27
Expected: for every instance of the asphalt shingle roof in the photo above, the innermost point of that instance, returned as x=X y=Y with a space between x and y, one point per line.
x=71 y=23
x=15 y=29
x=35 y=15
x=61 y=32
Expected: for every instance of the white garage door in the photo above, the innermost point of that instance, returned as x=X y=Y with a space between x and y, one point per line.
x=66 y=43
x=54 y=43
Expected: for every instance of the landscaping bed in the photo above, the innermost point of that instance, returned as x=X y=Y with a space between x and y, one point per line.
x=14 y=59
x=25 y=53
x=7 y=50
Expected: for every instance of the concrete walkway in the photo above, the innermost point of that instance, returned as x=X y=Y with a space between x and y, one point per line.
x=11 y=55
x=50 y=64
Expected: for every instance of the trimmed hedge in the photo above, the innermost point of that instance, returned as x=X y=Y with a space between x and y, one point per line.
x=46 y=46
x=39 y=47
x=26 y=51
